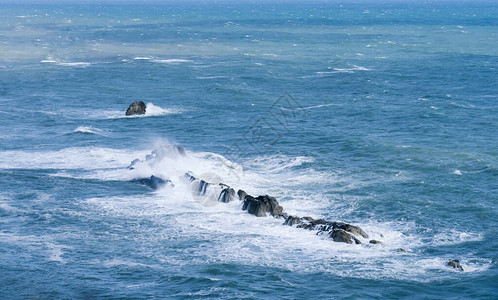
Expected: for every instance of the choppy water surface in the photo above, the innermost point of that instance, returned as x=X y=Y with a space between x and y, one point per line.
x=380 y=115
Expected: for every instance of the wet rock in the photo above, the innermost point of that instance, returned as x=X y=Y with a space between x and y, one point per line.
x=254 y=206
x=290 y=220
x=375 y=242
x=350 y=228
x=342 y=236
x=401 y=250
x=153 y=182
x=260 y=205
x=241 y=194
x=455 y=263
x=227 y=195
x=136 y=108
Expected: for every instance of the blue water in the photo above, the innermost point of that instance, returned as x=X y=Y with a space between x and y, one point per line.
x=381 y=115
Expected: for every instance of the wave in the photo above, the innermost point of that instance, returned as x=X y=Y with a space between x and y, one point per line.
x=171 y=61
x=66 y=64
x=90 y=130
x=350 y=70
x=234 y=235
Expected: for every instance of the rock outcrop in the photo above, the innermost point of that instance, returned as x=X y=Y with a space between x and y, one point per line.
x=263 y=206
x=209 y=194
x=455 y=263
x=153 y=182
x=136 y=108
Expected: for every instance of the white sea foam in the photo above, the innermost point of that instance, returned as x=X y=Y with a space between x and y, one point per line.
x=44 y=244
x=352 y=69
x=173 y=61
x=74 y=64
x=211 y=77
x=234 y=235
x=90 y=130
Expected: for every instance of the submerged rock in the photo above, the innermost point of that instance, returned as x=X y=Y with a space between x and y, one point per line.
x=375 y=242
x=153 y=182
x=455 y=263
x=136 y=108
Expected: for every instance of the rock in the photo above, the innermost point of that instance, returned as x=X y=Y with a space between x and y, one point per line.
x=455 y=263
x=254 y=206
x=342 y=236
x=375 y=242
x=181 y=150
x=290 y=220
x=401 y=250
x=350 y=228
x=153 y=182
x=241 y=194
x=226 y=195
x=260 y=205
x=136 y=108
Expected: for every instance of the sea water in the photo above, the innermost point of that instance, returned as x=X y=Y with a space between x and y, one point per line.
x=382 y=115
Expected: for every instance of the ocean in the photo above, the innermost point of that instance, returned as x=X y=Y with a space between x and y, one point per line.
x=383 y=115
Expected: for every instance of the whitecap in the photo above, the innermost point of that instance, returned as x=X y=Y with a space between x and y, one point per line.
x=173 y=61
x=74 y=64
x=211 y=77
x=90 y=130
x=142 y=58
x=457 y=172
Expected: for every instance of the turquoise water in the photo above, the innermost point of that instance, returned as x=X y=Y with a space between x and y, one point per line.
x=380 y=115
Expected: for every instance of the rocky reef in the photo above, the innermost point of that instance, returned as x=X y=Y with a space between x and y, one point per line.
x=260 y=206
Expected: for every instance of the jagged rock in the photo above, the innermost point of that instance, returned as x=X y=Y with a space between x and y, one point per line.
x=136 y=108
x=342 y=236
x=226 y=195
x=350 y=228
x=455 y=263
x=254 y=206
x=241 y=194
x=375 y=242
x=153 y=182
x=290 y=220
x=260 y=205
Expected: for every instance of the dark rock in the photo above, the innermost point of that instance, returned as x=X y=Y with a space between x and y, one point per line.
x=226 y=195
x=455 y=263
x=260 y=205
x=136 y=108
x=375 y=242
x=133 y=163
x=350 y=228
x=241 y=194
x=290 y=220
x=254 y=206
x=401 y=250
x=307 y=226
x=342 y=236
x=153 y=182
